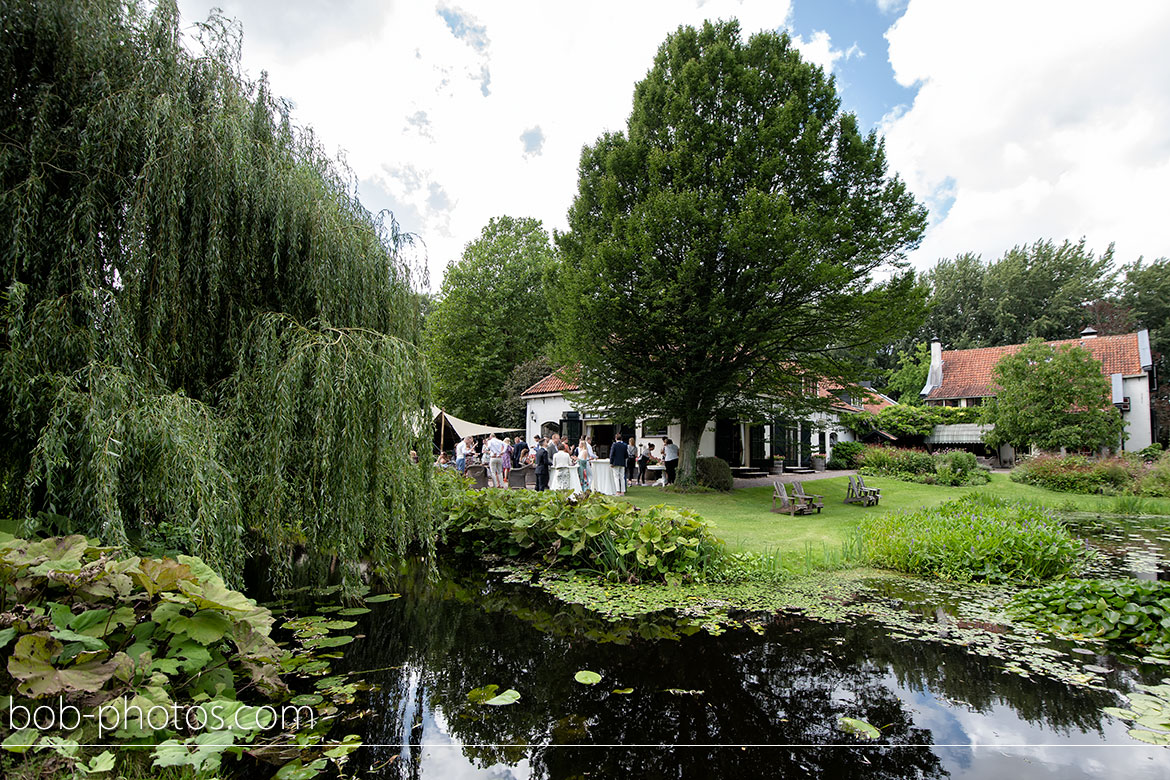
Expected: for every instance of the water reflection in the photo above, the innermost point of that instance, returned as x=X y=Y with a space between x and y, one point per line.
x=784 y=687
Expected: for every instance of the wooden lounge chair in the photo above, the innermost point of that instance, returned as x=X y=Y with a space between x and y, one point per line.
x=812 y=500
x=871 y=493
x=792 y=506
x=852 y=495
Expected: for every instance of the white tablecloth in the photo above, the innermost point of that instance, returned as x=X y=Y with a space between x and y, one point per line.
x=660 y=470
x=564 y=478
x=603 y=478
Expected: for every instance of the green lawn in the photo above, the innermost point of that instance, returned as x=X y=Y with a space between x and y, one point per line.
x=742 y=518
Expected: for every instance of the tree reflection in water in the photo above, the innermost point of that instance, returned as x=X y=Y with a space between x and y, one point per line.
x=786 y=687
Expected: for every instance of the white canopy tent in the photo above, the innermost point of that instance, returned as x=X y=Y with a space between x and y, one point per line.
x=462 y=428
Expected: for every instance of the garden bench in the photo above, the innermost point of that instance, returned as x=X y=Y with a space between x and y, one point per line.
x=786 y=504
x=812 y=500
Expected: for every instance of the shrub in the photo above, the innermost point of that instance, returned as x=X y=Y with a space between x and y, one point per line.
x=1151 y=453
x=973 y=539
x=118 y=637
x=955 y=467
x=1133 y=612
x=1156 y=481
x=1077 y=473
x=846 y=454
x=714 y=473
x=591 y=532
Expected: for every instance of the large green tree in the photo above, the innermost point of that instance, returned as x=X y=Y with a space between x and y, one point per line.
x=1051 y=398
x=1146 y=292
x=1042 y=290
x=207 y=343
x=721 y=251
x=490 y=316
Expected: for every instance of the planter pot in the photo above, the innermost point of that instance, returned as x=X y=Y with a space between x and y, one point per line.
x=779 y=466
x=818 y=464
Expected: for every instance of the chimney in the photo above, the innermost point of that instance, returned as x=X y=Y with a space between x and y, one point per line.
x=1089 y=333
x=934 y=377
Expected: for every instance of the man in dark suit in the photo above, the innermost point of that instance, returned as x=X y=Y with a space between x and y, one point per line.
x=540 y=466
x=617 y=460
x=518 y=450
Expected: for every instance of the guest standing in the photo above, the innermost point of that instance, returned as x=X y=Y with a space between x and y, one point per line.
x=540 y=465
x=670 y=460
x=643 y=462
x=631 y=460
x=617 y=461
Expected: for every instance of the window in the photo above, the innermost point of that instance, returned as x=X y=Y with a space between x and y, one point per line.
x=654 y=426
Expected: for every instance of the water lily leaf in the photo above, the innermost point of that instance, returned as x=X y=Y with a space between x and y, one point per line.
x=383 y=597
x=623 y=691
x=586 y=677
x=507 y=697
x=1154 y=738
x=480 y=695
x=328 y=641
x=307 y=699
x=351 y=743
x=857 y=727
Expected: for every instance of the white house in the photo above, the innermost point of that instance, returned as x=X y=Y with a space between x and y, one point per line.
x=963 y=377
x=551 y=408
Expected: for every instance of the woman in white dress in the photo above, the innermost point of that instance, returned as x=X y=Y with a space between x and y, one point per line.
x=564 y=471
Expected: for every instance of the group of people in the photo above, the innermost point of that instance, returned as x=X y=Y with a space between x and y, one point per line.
x=556 y=463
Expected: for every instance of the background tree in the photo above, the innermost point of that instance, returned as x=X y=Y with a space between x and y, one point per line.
x=720 y=251
x=522 y=377
x=906 y=383
x=1042 y=290
x=1146 y=292
x=208 y=344
x=490 y=316
x=1052 y=398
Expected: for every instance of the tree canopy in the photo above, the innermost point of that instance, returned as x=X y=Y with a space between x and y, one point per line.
x=722 y=250
x=1041 y=290
x=208 y=343
x=1051 y=398
x=490 y=316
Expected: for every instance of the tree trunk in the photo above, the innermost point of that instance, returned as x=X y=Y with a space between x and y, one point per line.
x=688 y=449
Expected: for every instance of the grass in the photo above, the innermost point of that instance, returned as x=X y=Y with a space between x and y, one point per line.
x=742 y=518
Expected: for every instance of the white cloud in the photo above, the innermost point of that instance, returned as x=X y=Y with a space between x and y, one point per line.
x=428 y=106
x=1034 y=121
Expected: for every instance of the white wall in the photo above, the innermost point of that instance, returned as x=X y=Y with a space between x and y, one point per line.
x=550 y=408
x=1137 y=419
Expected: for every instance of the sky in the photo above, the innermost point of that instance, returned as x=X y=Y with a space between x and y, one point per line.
x=1012 y=121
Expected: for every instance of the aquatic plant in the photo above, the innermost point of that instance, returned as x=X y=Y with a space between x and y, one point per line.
x=1127 y=612
x=591 y=532
x=974 y=539
x=1148 y=712
x=158 y=652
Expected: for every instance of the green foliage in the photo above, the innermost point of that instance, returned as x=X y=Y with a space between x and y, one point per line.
x=483 y=324
x=714 y=473
x=1148 y=711
x=592 y=533
x=847 y=455
x=745 y=217
x=1151 y=453
x=1156 y=480
x=1033 y=291
x=1128 y=612
x=522 y=377
x=115 y=637
x=168 y=237
x=1077 y=473
x=906 y=382
x=1051 y=398
x=973 y=539
x=948 y=467
x=909 y=422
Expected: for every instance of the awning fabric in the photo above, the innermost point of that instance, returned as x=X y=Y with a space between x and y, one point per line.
x=958 y=433
x=464 y=428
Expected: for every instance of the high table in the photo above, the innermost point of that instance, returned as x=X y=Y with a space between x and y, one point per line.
x=603 y=479
x=660 y=471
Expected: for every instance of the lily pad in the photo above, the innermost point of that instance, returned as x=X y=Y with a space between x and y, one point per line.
x=507 y=697
x=586 y=677
x=623 y=691
x=383 y=597
x=857 y=727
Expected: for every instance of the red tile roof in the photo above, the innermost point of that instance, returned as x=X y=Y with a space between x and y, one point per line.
x=551 y=384
x=872 y=401
x=967 y=372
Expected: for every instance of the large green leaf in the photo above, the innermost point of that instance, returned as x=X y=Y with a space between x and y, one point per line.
x=205 y=627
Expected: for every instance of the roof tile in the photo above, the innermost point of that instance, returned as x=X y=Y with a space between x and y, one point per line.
x=967 y=372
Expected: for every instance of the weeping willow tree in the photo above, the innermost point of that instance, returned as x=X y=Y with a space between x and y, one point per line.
x=207 y=341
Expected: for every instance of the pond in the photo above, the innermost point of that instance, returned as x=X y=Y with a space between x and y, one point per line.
x=758 y=701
